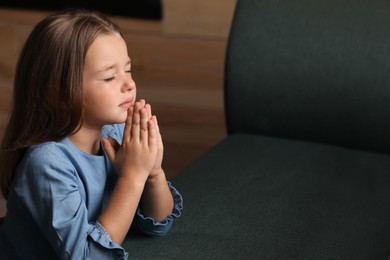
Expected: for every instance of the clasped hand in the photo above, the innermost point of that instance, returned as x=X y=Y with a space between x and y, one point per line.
x=141 y=152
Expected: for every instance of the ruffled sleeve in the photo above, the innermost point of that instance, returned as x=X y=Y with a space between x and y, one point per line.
x=151 y=227
x=98 y=233
x=51 y=192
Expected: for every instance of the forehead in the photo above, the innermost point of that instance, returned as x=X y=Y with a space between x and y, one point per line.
x=105 y=50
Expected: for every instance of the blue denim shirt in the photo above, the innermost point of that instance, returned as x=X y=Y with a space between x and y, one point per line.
x=56 y=198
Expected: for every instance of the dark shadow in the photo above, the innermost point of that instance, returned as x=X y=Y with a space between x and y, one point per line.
x=141 y=9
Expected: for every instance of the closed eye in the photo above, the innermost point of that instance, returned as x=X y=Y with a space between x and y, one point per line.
x=108 y=79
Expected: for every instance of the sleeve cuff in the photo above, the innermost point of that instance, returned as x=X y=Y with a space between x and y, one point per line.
x=151 y=227
x=103 y=244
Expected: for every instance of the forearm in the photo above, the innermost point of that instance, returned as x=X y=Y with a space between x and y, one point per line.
x=157 y=201
x=119 y=214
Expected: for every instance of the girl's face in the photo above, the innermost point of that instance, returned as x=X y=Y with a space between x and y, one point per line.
x=109 y=89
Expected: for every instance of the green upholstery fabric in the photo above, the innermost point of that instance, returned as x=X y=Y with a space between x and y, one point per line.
x=314 y=70
x=256 y=197
x=305 y=170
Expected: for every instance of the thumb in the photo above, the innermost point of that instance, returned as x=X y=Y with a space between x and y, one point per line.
x=111 y=146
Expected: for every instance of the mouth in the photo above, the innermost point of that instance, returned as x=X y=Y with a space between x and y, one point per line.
x=127 y=103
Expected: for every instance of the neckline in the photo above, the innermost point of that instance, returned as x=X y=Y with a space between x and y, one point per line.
x=78 y=150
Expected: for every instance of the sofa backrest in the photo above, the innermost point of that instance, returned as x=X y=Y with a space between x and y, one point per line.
x=312 y=70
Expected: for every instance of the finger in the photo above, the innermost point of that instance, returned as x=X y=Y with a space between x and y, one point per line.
x=142 y=102
x=144 y=126
x=154 y=118
x=152 y=135
x=128 y=124
x=135 y=127
x=159 y=137
x=147 y=106
x=149 y=109
x=110 y=146
x=113 y=143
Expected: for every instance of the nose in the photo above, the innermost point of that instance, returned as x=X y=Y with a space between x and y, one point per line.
x=128 y=83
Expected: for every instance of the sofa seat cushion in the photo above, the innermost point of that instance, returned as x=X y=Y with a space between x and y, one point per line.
x=258 y=197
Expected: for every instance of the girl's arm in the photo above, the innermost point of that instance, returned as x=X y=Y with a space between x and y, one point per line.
x=157 y=200
x=135 y=159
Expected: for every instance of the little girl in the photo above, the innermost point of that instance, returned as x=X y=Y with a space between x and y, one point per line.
x=80 y=161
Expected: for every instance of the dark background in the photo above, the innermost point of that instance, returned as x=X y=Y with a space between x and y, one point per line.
x=141 y=9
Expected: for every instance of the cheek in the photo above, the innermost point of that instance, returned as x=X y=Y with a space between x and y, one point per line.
x=92 y=104
x=94 y=98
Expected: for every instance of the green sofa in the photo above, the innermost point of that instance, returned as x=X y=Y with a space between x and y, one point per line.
x=304 y=172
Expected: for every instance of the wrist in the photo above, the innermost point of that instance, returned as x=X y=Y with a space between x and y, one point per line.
x=156 y=175
x=134 y=180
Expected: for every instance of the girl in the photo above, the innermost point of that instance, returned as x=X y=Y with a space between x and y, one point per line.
x=81 y=159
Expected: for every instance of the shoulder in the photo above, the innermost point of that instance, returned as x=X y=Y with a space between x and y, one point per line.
x=46 y=164
x=48 y=154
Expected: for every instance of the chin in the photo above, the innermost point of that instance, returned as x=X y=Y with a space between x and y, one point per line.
x=116 y=119
x=119 y=120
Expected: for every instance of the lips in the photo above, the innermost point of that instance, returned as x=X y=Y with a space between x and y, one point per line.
x=127 y=103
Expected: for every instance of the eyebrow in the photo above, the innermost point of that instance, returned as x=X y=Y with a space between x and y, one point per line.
x=112 y=66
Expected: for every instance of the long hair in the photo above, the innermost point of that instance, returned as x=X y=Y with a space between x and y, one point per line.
x=48 y=95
